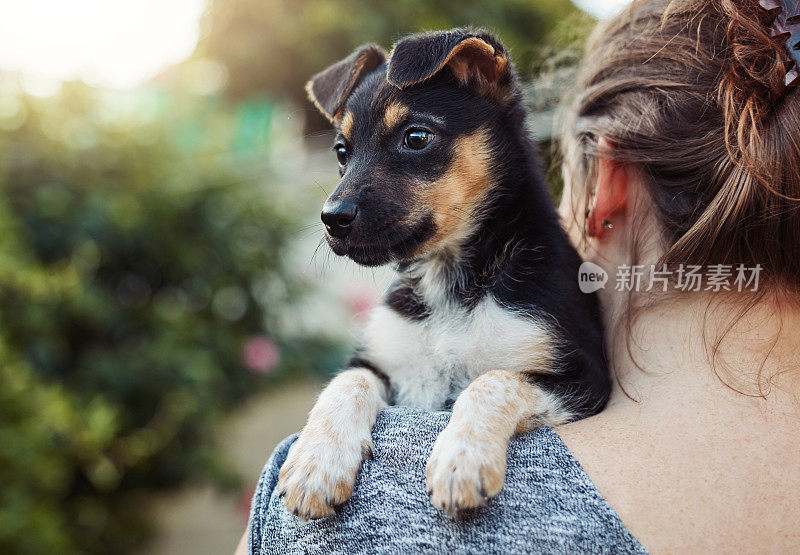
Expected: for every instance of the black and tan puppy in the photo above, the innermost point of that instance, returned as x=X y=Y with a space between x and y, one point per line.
x=440 y=178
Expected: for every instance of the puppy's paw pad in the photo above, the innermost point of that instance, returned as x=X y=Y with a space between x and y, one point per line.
x=463 y=473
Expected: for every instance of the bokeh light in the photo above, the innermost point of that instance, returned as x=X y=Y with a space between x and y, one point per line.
x=602 y=8
x=108 y=43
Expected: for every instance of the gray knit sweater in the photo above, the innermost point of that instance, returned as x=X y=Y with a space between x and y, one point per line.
x=547 y=505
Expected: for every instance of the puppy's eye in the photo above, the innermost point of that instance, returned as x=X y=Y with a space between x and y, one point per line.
x=341 y=154
x=417 y=139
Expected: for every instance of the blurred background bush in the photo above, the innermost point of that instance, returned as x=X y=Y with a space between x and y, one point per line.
x=160 y=259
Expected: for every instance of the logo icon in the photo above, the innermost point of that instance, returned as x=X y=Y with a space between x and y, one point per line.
x=591 y=277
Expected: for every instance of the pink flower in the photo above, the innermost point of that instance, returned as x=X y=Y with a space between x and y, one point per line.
x=260 y=354
x=360 y=301
x=243 y=505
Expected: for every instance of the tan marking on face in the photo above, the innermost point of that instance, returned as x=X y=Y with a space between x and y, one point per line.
x=348 y=121
x=456 y=197
x=394 y=114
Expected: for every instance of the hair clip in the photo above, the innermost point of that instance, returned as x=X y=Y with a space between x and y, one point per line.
x=784 y=19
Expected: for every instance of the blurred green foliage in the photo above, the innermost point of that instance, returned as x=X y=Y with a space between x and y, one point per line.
x=274 y=46
x=131 y=278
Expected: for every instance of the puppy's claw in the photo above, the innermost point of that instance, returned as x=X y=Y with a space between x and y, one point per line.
x=366 y=452
x=463 y=472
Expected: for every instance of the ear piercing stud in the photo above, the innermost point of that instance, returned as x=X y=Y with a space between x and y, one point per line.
x=606 y=223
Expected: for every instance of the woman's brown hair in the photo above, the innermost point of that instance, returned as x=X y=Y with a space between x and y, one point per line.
x=691 y=92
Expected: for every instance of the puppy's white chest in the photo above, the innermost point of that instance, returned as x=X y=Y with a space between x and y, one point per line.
x=430 y=361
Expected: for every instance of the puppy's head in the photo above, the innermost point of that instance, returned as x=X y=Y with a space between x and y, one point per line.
x=415 y=141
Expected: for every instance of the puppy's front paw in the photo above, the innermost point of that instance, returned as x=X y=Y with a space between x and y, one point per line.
x=320 y=472
x=464 y=471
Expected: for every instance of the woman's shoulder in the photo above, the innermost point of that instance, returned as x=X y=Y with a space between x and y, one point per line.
x=547 y=503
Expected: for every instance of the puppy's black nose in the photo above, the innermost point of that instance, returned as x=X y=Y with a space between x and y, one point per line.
x=338 y=217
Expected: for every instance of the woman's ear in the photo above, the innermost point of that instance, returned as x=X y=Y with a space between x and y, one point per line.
x=611 y=192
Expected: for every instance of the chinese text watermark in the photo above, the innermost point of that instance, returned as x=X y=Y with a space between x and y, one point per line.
x=684 y=277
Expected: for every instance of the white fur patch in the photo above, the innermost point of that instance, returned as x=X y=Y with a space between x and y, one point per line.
x=432 y=360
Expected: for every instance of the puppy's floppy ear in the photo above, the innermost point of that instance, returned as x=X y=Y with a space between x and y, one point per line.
x=329 y=89
x=471 y=55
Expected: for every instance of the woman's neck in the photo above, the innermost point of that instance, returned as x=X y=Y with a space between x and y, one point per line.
x=685 y=451
x=688 y=351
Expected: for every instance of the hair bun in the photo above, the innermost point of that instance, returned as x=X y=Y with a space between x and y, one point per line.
x=757 y=60
x=753 y=87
